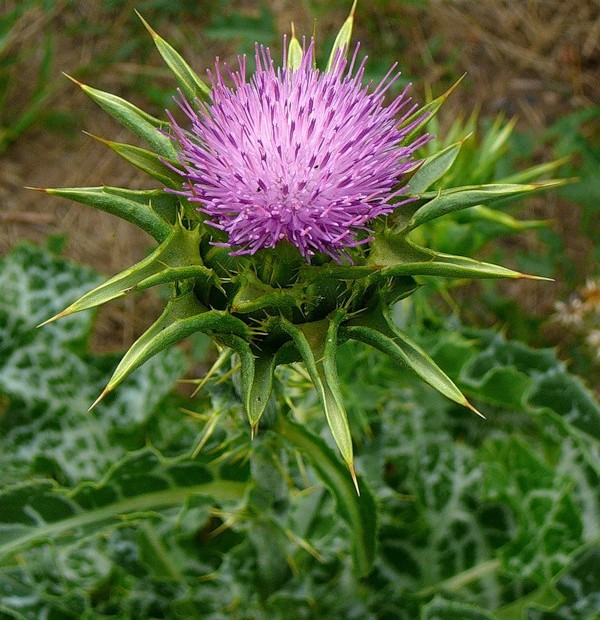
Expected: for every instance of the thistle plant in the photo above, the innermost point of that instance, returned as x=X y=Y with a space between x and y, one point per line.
x=287 y=201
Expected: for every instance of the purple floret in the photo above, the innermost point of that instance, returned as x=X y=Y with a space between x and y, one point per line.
x=302 y=155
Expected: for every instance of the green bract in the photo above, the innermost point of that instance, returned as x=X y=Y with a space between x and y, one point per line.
x=274 y=307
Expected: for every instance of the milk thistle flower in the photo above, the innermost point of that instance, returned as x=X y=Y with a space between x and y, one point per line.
x=296 y=153
x=284 y=219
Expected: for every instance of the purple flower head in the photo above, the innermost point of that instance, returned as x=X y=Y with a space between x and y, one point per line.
x=296 y=154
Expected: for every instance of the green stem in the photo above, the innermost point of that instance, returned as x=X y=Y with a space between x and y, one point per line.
x=360 y=512
x=459 y=581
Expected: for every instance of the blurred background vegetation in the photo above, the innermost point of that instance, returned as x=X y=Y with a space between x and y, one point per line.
x=537 y=62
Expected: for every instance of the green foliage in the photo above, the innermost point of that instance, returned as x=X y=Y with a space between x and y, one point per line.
x=48 y=378
x=360 y=513
x=576 y=136
x=477 y=154
x=112 y=514
x=13 y=56
x=230 y=24
x=492 y=151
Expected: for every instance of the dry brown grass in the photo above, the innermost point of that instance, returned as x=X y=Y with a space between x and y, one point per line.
x=543 y=54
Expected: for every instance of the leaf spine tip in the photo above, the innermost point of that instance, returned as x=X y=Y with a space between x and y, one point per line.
x=53 y=318
x=468 y=405
x=74 y=80
x=105 y=391
x=146 y=24
x=528 y=276
x=354 y=478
